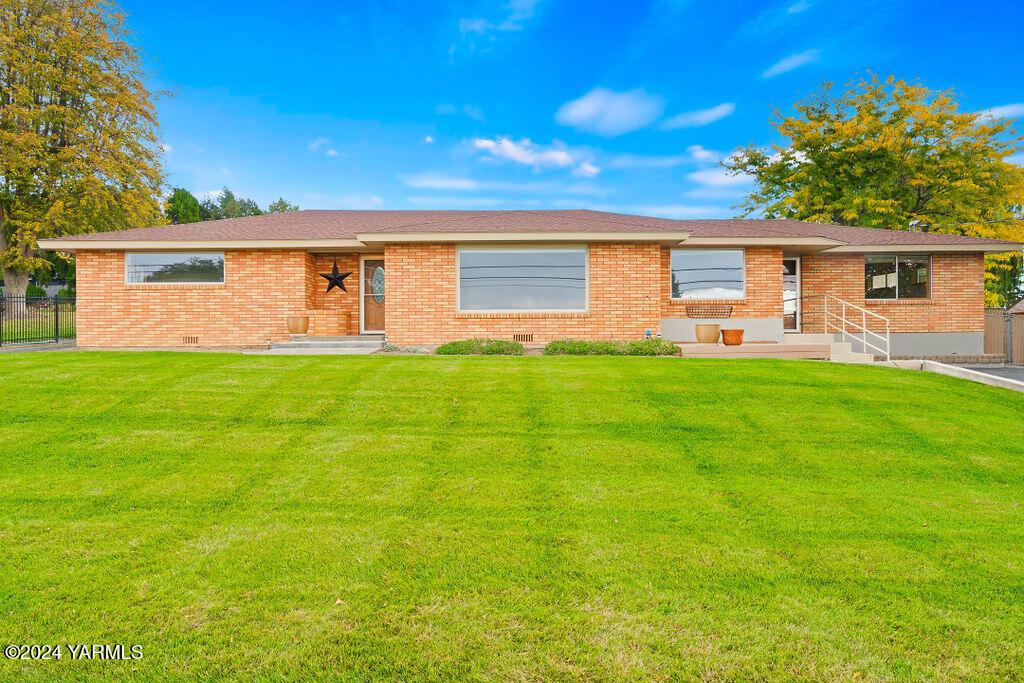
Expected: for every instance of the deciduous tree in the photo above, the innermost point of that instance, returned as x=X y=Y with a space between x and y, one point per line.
x=893 y=155
x=182 y=207
x=282 y=206
x=78 y=130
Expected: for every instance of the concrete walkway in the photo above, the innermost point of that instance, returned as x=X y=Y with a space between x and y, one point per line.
x=68 y=345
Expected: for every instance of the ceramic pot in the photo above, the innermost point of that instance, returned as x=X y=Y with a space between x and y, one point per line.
x=732 y=337
x=298 y=324
x=707 y=334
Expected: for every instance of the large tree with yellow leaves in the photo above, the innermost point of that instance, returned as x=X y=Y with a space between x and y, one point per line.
x=890 y=154
x=79 y=150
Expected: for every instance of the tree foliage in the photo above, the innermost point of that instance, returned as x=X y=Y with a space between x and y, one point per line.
x=893 y=155
x=78 y=131
x=282 y=206
x=228 y=205
x=182 y=207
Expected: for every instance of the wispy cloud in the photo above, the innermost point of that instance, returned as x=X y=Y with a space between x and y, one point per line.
x=610 y=113
x=798 y=7
x=720 y=178
x=525 y=152
x=669 y=210
x=1005 y=111
x=323 y=143
x=429 y=140
x=791 y=62
x=449 y=202
x=437 y=181
x=694 y=154
x=774 y=20
x=471 y=110
x=515 y=13
x=346 y=201
x=699 y=117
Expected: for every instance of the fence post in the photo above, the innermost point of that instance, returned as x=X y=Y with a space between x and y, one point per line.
x=56 y=318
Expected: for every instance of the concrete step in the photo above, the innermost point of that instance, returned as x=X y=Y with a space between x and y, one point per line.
x=806 y=338
x=326 y=344
x=322 y=351
x=856 y=358
x=841 y=347
x=337 y=337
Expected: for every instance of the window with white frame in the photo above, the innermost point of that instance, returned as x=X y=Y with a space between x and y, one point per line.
x=897 y=276
x=522 y=279
x=708 y=274
x=174 y=268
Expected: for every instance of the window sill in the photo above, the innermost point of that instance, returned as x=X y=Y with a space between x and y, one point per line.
x=899 y=302
x=464 y=315
x=706 y=302
x=172 y=285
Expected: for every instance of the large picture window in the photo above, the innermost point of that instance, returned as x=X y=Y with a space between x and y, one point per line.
x=523 y=279
x=181 y=268
x=708 y=274
x=897 y=276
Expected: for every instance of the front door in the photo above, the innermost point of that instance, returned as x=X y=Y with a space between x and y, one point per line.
x=371 y=293
x=791 y=294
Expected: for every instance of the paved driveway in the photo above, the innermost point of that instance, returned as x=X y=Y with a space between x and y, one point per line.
x=1009 y=372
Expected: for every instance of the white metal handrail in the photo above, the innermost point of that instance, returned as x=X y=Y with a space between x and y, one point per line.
x=863 y=327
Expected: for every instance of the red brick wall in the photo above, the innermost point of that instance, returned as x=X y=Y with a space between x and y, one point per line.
x=625 y=298
x=334 y=312
x=261 y=289
x=763 y=269
x=957 y=302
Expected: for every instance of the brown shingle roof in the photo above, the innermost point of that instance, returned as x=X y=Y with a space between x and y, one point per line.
x=327 y=225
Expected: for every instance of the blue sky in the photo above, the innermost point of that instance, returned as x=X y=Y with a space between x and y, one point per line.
x=623 y=106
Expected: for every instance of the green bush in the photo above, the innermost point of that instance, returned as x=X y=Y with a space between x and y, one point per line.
x=640 y=347
x=481 y=347
x=66 y=293
x=651 y=347
x=34 y=290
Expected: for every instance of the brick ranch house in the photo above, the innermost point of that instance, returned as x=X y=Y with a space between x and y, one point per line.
x=529 y=275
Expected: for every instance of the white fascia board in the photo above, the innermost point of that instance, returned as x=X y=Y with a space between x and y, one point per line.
x=194 y=245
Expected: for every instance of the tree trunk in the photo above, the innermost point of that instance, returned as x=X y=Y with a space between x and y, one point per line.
x=15 y=284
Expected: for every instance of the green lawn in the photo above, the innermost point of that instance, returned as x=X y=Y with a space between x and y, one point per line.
x=603 y=518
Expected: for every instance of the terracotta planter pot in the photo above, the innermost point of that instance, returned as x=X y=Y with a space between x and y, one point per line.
x=732 y=337
x=298 y=324
x=707 y=334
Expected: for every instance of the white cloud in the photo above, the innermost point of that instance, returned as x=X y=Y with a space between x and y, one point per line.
x=701 y=153
x=670 y=210
x=471 y=110
x=429 y=140
x=798 y=7
x=720 y=177
x=432 y=181
x=516 y=12
x=318 y=143
x=694 y=154
x=1006 y=111
x=448 y=202
x=332 y=152
x=347 y=201
x=609 y=113
x=700 y=117
x=525 y=152
x=474 y=112
x=791 y=62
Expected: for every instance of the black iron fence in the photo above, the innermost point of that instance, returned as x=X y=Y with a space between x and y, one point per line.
x=26 y=319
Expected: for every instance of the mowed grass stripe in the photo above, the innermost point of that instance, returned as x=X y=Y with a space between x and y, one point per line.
x=380 y=517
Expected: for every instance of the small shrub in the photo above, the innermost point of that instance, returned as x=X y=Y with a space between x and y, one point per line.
x=391 y=347
x=34 y=290
x=66 y=293
x=578 y=347
x=640 y=347
x=481 y=347
x=651 y=347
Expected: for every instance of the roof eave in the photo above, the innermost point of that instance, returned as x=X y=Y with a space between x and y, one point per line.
x=660 y=236
x=72 y=245
x=985 y=248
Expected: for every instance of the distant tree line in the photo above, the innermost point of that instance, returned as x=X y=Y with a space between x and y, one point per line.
x=183 y=207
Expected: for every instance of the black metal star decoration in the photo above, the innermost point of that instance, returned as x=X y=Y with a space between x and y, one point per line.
x=335 y=279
